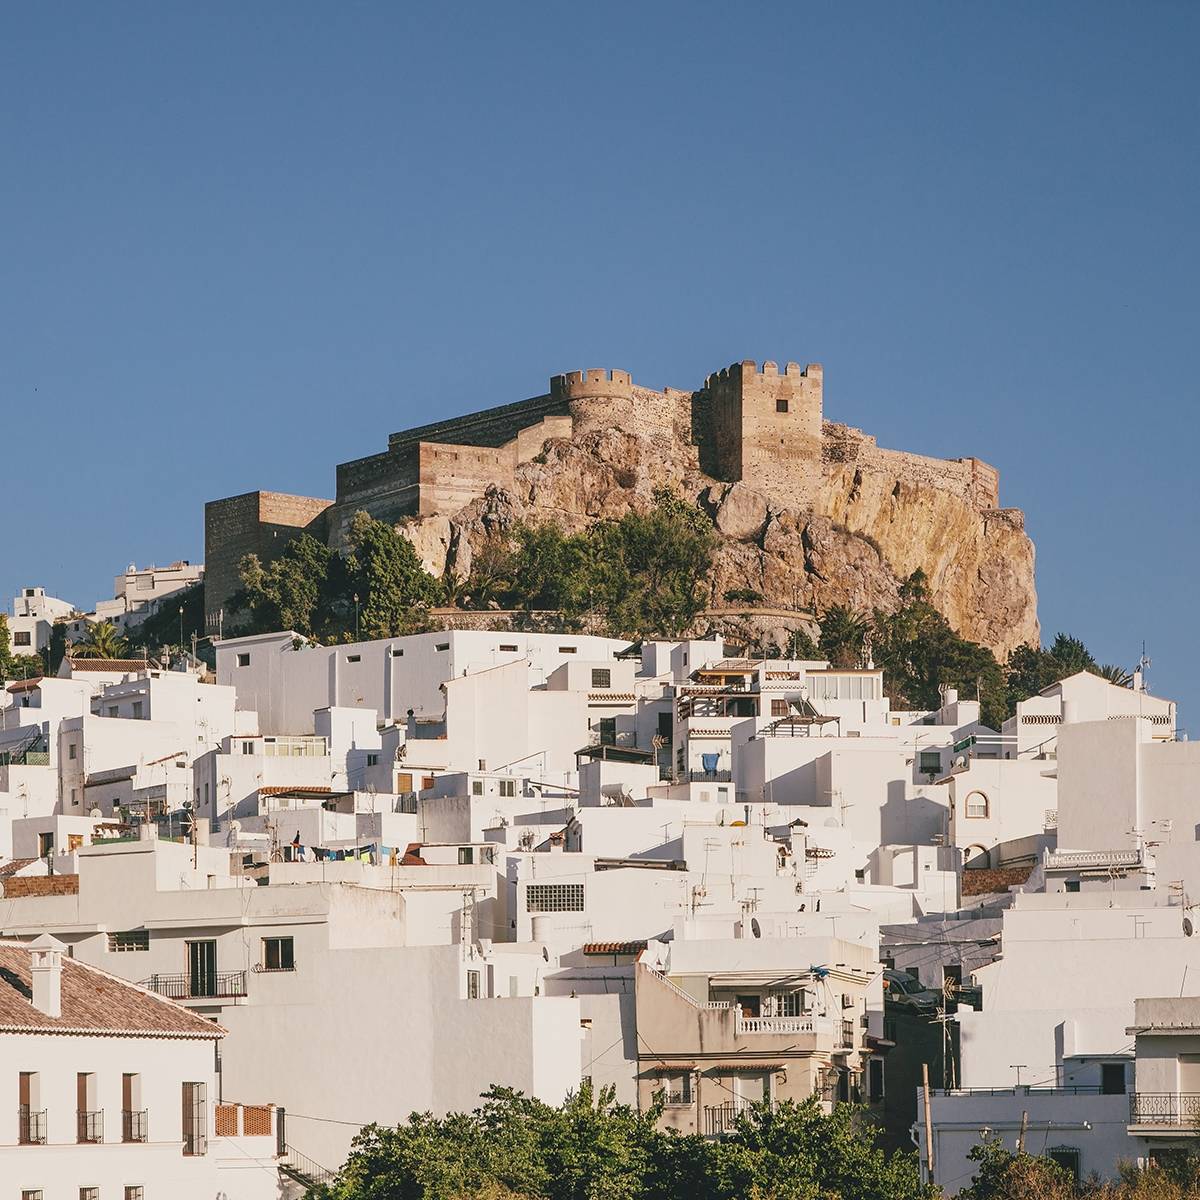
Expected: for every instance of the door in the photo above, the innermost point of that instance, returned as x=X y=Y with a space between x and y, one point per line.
x=751 y=1006
x=202 y=968
x=751 y=1087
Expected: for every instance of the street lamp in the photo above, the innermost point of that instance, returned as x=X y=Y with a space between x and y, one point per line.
x=181 y=629
x=356 y=616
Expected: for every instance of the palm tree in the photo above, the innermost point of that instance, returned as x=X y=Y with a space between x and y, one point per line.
x=843 y=633
x=1115 y=675
x=102 y=641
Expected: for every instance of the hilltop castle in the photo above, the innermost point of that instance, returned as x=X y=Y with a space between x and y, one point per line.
x=759 y=425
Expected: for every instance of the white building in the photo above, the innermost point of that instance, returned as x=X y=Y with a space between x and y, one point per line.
x=139 y=592
x=117 y=1093
x=32 y=620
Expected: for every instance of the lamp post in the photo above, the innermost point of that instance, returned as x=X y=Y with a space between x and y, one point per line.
x=181 y=629
x=356 y=616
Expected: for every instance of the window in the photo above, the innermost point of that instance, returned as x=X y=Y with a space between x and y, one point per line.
x=930 y=762
x=89 y=1193
x=31 y=1194
x=426 y=782
x=1112 y=1079
x=472 y=985
x=566 y=649
x=608 y=731
x=508 y=787
x=195 y=1119
x=1066 y=1157
x=31 y=1117
x=791 y=1004
x=137 y=710
x=601 y=677
x=133 y=1116
x=279 y=954
x=21 y=638
x=72 y=750
x=476 y=787
x=45 y=845
x=129 y=940
x=89 y=1116
x=676 y=1088
x=403 y=781
x=353 y=658
x=507 y=648
x=372 y=760
x=243 y=660
x=134 y=1191
x=466 y=856
x=442 y=646
x=74 y=842
x=781 y=406
x=554 y=897
x=779 y=708
x=113 y=710
x=874 y=1080
x=977 y=804
x=1072 y=885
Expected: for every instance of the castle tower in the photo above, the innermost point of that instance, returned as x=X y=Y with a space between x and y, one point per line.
x=766 y=425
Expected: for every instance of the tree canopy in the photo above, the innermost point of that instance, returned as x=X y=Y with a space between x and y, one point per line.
x=16 y=666
x=592 y=1148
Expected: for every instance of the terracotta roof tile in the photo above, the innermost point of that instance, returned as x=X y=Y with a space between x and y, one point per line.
x=93 y=1002
x=25 y=685
x=634 y=947
x=108 y=664
x=14 y=865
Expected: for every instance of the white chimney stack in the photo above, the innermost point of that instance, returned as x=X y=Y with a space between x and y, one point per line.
x=47 y=975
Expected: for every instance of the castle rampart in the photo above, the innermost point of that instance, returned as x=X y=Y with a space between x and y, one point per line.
x=760 y=424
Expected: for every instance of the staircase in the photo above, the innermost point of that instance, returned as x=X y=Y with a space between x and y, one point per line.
x=301 y=1169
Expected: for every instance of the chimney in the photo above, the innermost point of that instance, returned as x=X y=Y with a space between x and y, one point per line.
x=47 y=975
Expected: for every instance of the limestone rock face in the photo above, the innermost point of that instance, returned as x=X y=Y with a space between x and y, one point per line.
x=868 y=531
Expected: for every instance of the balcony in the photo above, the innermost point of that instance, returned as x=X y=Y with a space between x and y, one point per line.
x=753 y=1025
x=31 y=1127
x=133 y=1126
x=216 y=985
x=720 y=1119
x=89 y=1127
x=710 y=776
x=1171 y=1111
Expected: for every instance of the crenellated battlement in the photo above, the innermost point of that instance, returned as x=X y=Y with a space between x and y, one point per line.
x=587 y=385
x=749 y=370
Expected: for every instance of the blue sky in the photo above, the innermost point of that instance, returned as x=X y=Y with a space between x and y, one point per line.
x=242 y=243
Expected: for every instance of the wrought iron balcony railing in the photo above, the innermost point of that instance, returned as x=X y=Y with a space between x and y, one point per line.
x=89 y=1126
x=133 y=1126
x=31 y=1127
x=216 y=985
x=1165 y=1108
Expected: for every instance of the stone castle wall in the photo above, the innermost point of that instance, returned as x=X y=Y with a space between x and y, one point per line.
x=751 y=423
x=259 y=523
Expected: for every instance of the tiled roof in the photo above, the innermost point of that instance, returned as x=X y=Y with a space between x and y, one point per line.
x=107 y=664
x=634 y=947
x=14 y=865
x=93 y=1002
x=305 y=790
x=25 y=685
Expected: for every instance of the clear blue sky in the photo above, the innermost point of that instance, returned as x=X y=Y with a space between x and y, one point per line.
x=242 y=243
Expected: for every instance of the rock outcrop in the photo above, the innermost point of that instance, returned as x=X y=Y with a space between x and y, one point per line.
x=866 y=532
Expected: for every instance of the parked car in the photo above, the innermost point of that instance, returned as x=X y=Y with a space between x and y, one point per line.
x=902 y=989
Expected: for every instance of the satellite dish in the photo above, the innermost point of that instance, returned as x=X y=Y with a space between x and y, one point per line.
x=95 y=813
x=1188 y=928
x=755 y=927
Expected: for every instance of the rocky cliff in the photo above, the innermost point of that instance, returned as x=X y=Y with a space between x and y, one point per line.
x=866 y=531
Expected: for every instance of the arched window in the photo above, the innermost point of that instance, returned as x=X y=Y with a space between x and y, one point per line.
x=977 y=804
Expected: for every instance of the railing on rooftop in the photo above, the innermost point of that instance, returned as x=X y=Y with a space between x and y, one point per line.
x=751 y=1025
x=711 y=1004
x=25 y=758
x=1165 y=1108
x=1067 y=859
x=1024 y=1090
x=710 y=776
x=217 y=985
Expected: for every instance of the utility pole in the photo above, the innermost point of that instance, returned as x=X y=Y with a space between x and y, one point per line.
x=1024 y=1129
x=928 y=1120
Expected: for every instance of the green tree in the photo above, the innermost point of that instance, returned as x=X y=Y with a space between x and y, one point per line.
x=920 y=654
x=291 y=591
x=1005 y=1175
x=384 y=571
x=101 y=641
x=843 y=636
